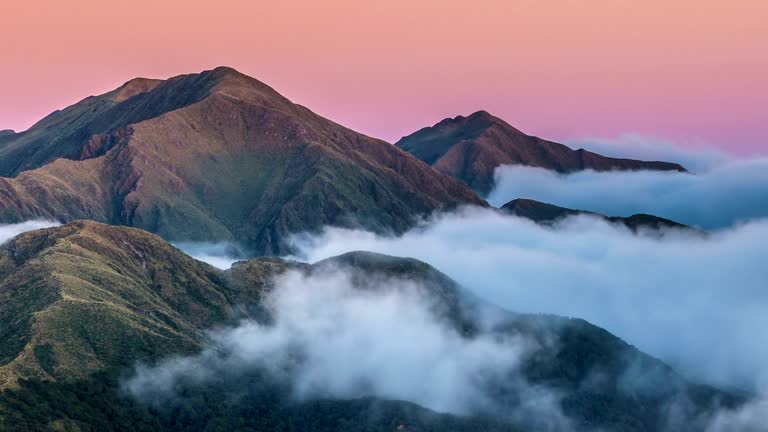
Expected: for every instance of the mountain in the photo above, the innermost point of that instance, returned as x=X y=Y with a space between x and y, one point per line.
x=544 y=213
x=83 y=303
x=471 y=148
x=214 y=156
x=87 y=297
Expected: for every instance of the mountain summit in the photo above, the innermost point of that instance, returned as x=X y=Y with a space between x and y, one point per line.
x=214 y=156
x=471 y=148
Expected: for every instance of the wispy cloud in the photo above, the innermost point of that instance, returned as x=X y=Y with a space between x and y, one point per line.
x=339 y=335
x=219 y=255
x=697 y=158
x=8 y=231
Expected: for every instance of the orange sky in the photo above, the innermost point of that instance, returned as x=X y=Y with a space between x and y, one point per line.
x=691 y=71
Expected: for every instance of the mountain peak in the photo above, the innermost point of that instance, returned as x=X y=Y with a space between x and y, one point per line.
x=471 y=148
x=482 y=115
x=134 y=87
x=476 y=120
x=215 y=156
x=225 y=71
x=226 y=74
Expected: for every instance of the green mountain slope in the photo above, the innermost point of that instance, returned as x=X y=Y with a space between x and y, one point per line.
x=82 y=303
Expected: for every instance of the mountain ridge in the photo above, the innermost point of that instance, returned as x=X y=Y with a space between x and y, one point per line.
x=470 y=148
x=98 y=298
x=547 y=214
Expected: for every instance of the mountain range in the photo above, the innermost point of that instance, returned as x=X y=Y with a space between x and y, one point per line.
x=215 y=156
x=219 y=156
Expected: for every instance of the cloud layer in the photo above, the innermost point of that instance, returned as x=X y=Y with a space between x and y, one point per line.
x=676 y=297
x=633 y=146
x=722 y=197
x=335 y=338
x=9 y=231
x=219 y=255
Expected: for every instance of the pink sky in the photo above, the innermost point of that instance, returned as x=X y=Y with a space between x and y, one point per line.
x=690 y=71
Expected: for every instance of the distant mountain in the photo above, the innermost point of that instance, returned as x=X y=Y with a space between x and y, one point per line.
x=471 y=148
x=215 y=156
x=82 y=303
x=548 y=213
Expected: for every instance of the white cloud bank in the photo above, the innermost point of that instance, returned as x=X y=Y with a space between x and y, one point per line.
x=634 y=146
x=701 y=304
x=219 y=255
x=9 y=231
x=721 y=197
x=332 y=339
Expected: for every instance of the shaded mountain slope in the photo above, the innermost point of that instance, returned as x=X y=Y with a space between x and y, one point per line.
x=80 y=304
x=470 y=148
x=544 y=213
x=215 y=156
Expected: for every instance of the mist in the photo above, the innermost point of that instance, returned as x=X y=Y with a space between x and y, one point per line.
x=334 y=336
x=696 y=159
x=9 y=231
x=220 y=255
x=675 y=297
x=722 y=197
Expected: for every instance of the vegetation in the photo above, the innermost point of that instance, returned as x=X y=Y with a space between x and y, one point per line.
x=82 y=303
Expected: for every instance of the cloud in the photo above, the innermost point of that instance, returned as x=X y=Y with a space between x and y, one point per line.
x=722 y=197
x=700 y=304
x=9 y=231
x=752 y=417
x=698 y=160
x=219 y=255
x=334 y=336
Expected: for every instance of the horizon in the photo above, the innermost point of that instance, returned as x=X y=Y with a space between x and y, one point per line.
x=690 y=74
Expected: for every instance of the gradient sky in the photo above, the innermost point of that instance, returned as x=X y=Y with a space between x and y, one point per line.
x=692 y=71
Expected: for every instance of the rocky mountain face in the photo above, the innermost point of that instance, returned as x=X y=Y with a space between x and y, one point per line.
x=215 y=156
x=471 y=148
x=544 y=213
x=82 y=303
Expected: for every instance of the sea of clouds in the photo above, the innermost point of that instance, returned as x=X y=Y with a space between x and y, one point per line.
x=698 y=302
x=725 y=195
x=676 y=297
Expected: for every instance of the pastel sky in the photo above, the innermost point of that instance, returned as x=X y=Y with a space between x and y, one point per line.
x=692 y=71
